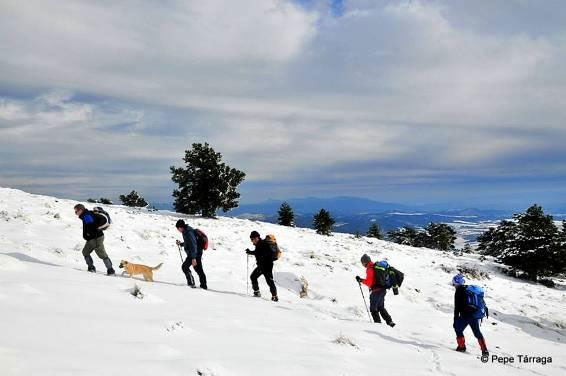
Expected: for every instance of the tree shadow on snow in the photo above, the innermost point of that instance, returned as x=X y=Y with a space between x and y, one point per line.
x=543 y=328
x=401 y=341
x=26 y=258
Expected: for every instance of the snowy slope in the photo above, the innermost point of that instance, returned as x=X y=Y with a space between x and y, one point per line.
x=57 y=319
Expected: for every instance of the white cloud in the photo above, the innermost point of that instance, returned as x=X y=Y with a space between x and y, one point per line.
x=280 y=90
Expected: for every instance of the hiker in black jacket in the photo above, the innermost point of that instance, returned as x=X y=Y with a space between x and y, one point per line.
x=194 y=255
x=94 y=238
x=463 y=316
x=264 y=259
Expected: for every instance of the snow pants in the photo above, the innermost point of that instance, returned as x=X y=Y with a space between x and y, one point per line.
x=377 y=305
x=96 y=245
x=267 y=271
x=461 y=323
x=198 y=269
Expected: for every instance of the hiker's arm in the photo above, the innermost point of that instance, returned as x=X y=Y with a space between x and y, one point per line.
x=370 y=276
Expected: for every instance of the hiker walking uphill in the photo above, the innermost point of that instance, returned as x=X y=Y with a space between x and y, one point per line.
x=264 y=255
x=378 y=281
x=194 y=254
x=469 y=309
x=94 y=222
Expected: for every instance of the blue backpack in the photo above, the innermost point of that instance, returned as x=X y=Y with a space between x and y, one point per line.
x=474 y=300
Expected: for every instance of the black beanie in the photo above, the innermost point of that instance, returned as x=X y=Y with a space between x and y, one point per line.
x=254 y=234
x=365 y=259
x=180 y=223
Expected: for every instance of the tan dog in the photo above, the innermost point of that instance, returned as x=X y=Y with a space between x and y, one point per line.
x=133 y=269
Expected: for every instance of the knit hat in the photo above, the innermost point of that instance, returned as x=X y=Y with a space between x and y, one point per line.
x=365 y=259
x=458 y=280
x=180 y=223
x=254 y=235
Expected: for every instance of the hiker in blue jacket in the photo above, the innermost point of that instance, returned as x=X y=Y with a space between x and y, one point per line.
x=194 y=254
x=464 y=316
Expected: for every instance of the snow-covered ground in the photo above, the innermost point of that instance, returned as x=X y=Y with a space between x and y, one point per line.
x=57 y=319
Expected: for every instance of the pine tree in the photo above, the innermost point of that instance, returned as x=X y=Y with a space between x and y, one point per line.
x=323 y=222
x=286 y=215
x=105 y=201
x=441 y=236
x=206 y=184
x=92 y=201
x=534 y=250
x=133 y=199
x=374 y=231
x=496 y=241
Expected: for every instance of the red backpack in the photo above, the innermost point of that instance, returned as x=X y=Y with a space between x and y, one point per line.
x=202 y=239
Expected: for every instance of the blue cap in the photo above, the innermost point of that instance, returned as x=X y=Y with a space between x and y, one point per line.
x=458 y=279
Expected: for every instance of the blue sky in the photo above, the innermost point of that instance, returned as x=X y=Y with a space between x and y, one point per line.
x=407 y=101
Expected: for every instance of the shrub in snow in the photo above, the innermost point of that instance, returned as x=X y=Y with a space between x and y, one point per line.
x=105 y=201
x=374 y=232
x=137 y=292
x=304 y=287
x=133 y=199
x=57 y=216
x=547 y=282
x=472 y=272
x=343 y=340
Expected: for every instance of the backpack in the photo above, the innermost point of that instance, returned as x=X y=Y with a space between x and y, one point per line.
x=386 y=275
x=202 y=240
x=475 y=302
x=103 y=217
x=275 y=250
x=381 y=274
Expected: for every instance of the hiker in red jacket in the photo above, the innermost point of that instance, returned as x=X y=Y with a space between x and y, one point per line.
x=377 y=294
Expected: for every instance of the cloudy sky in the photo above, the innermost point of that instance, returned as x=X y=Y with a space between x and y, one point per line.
x=407 y=101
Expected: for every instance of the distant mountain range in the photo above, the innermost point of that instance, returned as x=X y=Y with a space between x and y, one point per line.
x=353 y=214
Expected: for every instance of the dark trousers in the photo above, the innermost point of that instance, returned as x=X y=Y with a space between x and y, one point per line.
x=267 y=271
x=461 y=323
x=198 y=268
x=377 y=305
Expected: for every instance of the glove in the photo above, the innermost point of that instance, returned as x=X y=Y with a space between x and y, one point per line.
x=178 y=242
x=249 y=252
x=359 y=279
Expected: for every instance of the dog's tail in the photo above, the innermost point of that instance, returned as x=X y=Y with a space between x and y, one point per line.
x=157 y=267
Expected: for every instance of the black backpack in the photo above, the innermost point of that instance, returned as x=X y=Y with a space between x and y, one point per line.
x=104 y=220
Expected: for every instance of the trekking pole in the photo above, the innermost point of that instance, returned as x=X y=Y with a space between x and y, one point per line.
x=180 y=254
x=247 y=273
x=364 y=298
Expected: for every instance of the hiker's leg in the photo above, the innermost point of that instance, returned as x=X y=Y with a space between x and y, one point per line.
x=186 y=269
x=381 y=306
x=100 y=250
x=460 y=325
x=374 y=306
x=254 y=276
x=87 y=250
x=475 y=325
x=268 y=274
x=200 y=272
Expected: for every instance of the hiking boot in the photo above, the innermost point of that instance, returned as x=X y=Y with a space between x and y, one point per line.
x=461 y=349
x=257 y=294
x=274 y=298
x=204 y=287
x=91 y=269
x=485 y=353
x=110 y=272
x=193 y=286
x=391 y=324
